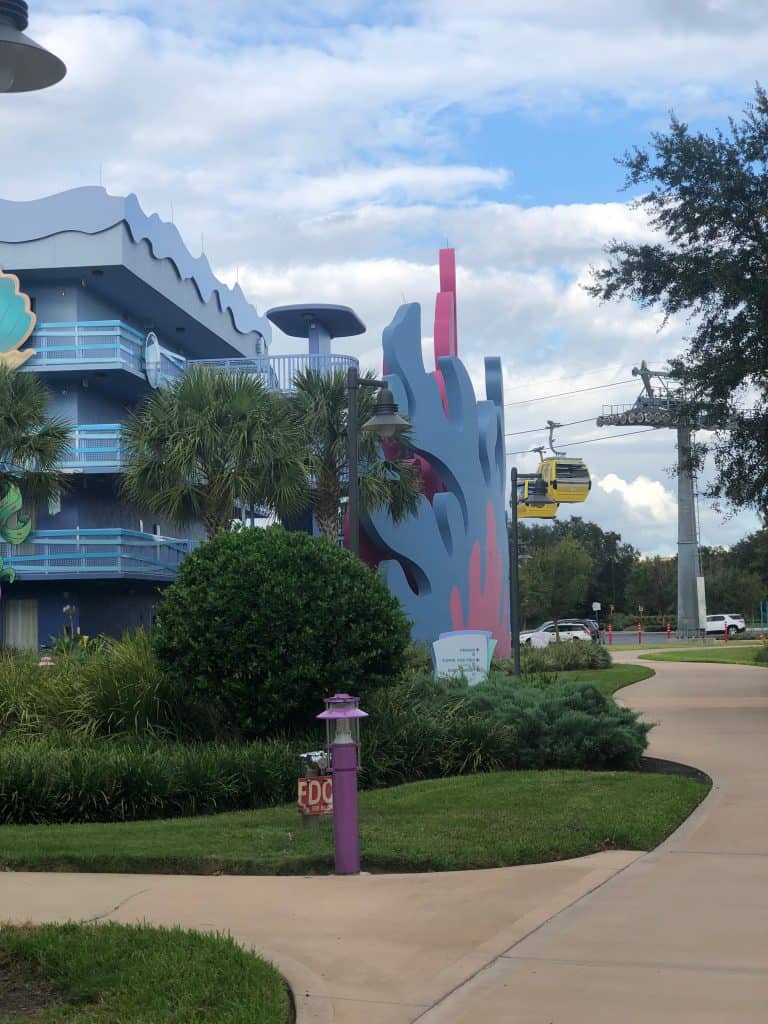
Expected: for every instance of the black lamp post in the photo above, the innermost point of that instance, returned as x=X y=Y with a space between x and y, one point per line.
x=24 y=65
x=386 y=422
x=514 y=576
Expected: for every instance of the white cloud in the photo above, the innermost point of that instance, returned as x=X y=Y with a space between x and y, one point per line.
x=645 y=499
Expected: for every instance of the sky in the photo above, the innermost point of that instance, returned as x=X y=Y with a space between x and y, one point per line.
x=324 y=150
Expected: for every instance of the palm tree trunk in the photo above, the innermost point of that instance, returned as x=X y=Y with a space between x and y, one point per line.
x=327 y=503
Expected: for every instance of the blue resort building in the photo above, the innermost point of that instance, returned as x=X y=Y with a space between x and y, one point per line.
x=122 y=308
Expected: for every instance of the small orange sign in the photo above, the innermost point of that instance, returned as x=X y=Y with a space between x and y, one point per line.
x=316 y=795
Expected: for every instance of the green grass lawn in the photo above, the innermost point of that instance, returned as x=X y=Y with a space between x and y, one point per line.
x=608 y=680
x=474 y=821
x=731 y=654
x=112 y=974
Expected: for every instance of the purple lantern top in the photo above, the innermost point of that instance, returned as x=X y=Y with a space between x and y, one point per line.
x=342 y=719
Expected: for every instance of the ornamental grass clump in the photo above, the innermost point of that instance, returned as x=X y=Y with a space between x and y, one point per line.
x=47 y=781
x=564 y=657
x=108 y=688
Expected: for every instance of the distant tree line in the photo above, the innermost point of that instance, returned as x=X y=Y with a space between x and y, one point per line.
x=568 y=565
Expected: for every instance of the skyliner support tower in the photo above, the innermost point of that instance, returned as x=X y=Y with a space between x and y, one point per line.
x=663 y=406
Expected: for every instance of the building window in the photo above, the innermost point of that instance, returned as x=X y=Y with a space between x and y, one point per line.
x=54 y=504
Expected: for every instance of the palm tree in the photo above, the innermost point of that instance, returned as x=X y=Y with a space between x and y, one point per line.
x=320 y=409
x=210 y=441
x=32 y=444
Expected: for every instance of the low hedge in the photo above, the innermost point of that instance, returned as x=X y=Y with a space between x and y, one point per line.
x=415 y=731
x=563 y=657
x=50 y=780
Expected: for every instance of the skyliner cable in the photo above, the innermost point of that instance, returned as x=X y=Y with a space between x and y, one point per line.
x=590 y=440
x=566 y=394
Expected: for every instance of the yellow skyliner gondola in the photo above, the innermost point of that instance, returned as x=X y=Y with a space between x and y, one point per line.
x=533 y=502
x=567 y=480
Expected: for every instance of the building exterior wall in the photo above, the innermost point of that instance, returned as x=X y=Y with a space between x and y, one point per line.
x=83 y=267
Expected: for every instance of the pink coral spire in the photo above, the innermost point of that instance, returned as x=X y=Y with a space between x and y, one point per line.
x=446 y=334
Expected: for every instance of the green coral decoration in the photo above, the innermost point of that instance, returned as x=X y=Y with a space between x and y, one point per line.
x=13 y=528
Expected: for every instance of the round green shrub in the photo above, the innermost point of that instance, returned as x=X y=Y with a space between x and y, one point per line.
x=262 y=624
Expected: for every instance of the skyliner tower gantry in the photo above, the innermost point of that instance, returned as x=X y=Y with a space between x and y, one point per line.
x=661 y=405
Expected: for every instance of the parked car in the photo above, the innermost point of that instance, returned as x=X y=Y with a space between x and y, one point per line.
x=544 y=635
x=732 y=622
x=592 y=626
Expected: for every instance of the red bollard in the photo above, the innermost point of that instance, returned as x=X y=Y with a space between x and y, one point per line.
x=639 y=632
x=610 y=634
x=669 y=632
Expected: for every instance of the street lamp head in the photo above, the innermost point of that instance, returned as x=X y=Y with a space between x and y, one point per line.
x=386 y=420
x=25 y=66
x=342 y=720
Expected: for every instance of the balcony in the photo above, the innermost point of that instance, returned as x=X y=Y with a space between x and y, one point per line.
x=96 y=345
x=113 y=345
x=96 y=554
x=279 y=372
x=95 y=448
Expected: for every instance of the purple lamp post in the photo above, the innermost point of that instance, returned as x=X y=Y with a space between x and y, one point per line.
x=342 y=722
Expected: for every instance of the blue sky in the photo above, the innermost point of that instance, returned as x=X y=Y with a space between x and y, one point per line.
x=324 y=150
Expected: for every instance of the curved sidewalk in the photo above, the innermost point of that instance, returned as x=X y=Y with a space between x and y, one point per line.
x=679 y=934
x=682 y=934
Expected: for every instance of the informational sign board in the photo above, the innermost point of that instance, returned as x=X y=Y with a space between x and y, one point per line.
x=596 y=606
x=316 y=795
x=464 y=652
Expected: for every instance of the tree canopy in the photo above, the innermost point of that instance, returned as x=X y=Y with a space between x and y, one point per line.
x=707 y=195
x=611 y=558
x=212 y=440
x=554 y=580
x=32 y=443
x=320 y=409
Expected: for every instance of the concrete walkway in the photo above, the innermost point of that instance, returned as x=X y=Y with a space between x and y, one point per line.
x=678 y=934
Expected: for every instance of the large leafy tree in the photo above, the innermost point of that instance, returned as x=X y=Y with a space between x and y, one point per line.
x=707 y=194
x=652 y=585
x=320 y=410
x=32 y=443
x=554 y=580
x=212 y=440
x=612 y=559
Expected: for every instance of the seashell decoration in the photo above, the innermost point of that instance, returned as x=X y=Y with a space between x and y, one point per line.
x=17 y=321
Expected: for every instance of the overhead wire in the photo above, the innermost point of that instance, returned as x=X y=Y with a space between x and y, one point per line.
x=590 y=440
x=540 y=430
x=575 y=391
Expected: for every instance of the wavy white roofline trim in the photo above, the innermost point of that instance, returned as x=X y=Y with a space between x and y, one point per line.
x=91 y=210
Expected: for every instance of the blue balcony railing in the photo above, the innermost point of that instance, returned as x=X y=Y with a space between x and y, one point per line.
x=280 y=372
x=96 y=345
x=95 y=448
x=114 y=345
x=96 y=554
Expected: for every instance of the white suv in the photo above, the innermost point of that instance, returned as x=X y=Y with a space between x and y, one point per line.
x=730 y=621
x=544 y=635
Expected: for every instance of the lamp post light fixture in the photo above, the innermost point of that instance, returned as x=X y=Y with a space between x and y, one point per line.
x=342 y=718
x=386 y=422
x=25 y=66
